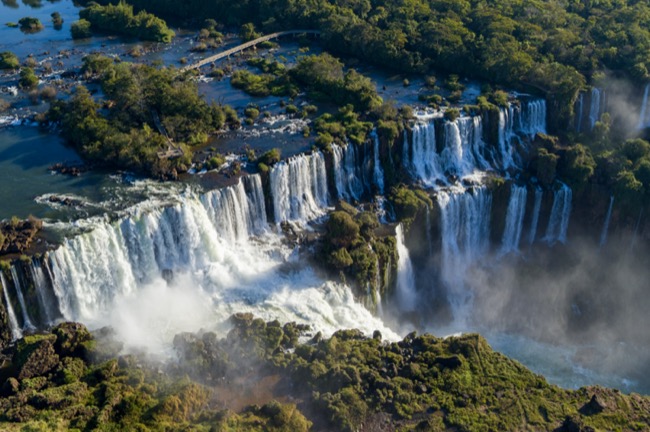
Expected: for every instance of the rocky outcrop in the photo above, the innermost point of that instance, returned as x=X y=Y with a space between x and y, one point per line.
x=16 y=236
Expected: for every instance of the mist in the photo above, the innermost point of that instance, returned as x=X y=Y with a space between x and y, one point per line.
x=575 y=312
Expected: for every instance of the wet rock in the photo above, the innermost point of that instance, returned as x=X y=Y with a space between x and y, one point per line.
x=574 y=424
x=168 y=275
x=71 y=339
x=596 y=405
x=18 y=235
x=35 y=356
x=451 y=362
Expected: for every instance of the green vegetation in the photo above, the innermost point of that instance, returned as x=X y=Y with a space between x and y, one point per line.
x=248 y=33
x=120 y=19
x=9 y=60
x=80 y=29
x=28 y=80
x=408 y=202
x=351 y=247
x=143 y=107
x=30 y=25
x=69 y=379
x=551 y=47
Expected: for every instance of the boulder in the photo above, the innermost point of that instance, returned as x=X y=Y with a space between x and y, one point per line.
x=71 y=339
x=35 y=356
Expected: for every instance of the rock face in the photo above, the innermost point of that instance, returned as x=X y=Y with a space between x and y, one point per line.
x=35 y=356
x=16 y=236
x=71 y=339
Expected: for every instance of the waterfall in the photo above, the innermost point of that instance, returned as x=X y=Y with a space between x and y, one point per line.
x=424 y=163
x=643 y=120
x=89 y=270
x=514 y=219
x=560 y=214
x=378 y=172
x=465 y=223
x=237 y=214
x=580 y=103
x=594 y=109
x=188 y=266
x=299 y=188
x=603 y=234
x=532 y=117
x=506 y=150
x=16 y=332
x=537 y=207
x=525 y=120
x=406 y=292
x=346 y=174
x=48 y=306
x=27 y=322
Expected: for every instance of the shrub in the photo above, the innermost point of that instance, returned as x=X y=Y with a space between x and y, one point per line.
x=30 y=24
x=28 y=79
x=80 y=29
x=9 y=60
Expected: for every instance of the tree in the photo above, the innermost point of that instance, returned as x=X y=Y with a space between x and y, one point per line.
x=9 y=60
x=80 y=29
x=28 y=80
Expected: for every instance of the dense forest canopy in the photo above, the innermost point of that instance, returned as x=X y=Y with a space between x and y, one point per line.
x=553 y=46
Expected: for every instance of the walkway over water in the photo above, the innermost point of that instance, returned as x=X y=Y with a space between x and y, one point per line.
x=246 y=45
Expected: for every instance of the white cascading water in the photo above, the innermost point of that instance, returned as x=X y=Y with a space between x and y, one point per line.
x=113 y=275
x=558 y=221
x=527 y=119
x=406 y=293
x=643 y=113
x=16 y=332
x=27 y=322
x=378 y=171
x=603 y=234
x=594 y=108
x=299 y=188
x=579 y=112
x=532 y=117
x=537 y=207
x=346 y=176
x=41 y=286
x=507 y=152
x=465 y=220
x=514 y=220
x=424 y=162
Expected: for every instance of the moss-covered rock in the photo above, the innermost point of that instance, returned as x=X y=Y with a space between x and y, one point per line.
x=35 y=355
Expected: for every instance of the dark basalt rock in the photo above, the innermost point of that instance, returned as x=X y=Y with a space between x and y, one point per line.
x=35 y=356
x=71 y=339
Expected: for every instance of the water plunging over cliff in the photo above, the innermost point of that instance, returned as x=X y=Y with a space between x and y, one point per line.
x=514 y=219
x=27 y=322
x=347 y=175
x=16 y=332
x=465 y=223
x=203 y=247
x=406 y=293
x=299 y=188
x=378 y=171
x=459 y=148
x=560 y=214
x=537 y=207
x=603 y=234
